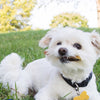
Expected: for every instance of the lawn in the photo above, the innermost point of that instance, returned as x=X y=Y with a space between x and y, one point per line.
x=26 y=45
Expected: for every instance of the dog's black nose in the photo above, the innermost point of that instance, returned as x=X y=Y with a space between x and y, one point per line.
x=62 y=51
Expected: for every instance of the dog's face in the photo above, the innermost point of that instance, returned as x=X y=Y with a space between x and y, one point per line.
x=71 y=48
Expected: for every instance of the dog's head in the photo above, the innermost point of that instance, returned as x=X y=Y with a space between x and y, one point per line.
x=71 y=48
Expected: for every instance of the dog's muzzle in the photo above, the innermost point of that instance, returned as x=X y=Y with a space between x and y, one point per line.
x=64 y=58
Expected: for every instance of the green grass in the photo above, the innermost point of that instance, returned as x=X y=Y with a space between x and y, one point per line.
x=26 y=45
x=23 y=43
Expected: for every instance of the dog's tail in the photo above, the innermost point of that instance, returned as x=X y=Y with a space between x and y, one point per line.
x=10 y=68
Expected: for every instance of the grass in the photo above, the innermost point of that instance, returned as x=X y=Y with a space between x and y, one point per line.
x=26 y=45
x=23 y=43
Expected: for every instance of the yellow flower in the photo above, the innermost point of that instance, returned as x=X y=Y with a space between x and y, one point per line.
x=83 y=96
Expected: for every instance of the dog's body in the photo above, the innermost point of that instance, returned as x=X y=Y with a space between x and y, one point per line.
x=51 y=86
x=71 y=54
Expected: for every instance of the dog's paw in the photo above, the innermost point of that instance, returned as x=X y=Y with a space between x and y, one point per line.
x=42 y=96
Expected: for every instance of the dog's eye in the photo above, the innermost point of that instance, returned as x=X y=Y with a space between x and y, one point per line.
x=59 y=43
x=77 y=45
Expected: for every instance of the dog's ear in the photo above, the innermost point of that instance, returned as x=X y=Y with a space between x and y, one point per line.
x=44 y=42
x=95 y=40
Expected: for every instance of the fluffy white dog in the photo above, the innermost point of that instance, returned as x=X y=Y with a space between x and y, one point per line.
x=67 y=68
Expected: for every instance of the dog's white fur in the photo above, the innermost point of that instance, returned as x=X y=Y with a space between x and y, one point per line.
x=44 y=75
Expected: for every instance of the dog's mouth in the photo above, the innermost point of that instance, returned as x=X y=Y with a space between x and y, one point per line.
x=65 y=59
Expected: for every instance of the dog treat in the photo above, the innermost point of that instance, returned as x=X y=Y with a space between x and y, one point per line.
x=78 y=57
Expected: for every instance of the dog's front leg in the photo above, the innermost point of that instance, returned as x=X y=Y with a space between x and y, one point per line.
x=46 y=93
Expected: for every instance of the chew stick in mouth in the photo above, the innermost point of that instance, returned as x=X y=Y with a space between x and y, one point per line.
x=78 y=57
x=74 y=58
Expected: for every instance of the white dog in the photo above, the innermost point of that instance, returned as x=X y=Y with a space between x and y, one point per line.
x=67 y=68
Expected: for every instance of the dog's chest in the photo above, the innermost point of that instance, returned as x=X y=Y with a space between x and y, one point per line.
x=67 y=92
x=70 y=93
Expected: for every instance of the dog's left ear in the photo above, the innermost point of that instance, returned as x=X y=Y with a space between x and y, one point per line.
x=95 y=40
x=44 y=42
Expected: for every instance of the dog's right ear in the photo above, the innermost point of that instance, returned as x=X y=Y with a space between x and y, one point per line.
x=44 y=42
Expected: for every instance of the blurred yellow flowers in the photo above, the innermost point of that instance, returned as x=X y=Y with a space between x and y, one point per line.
x=14 y=15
